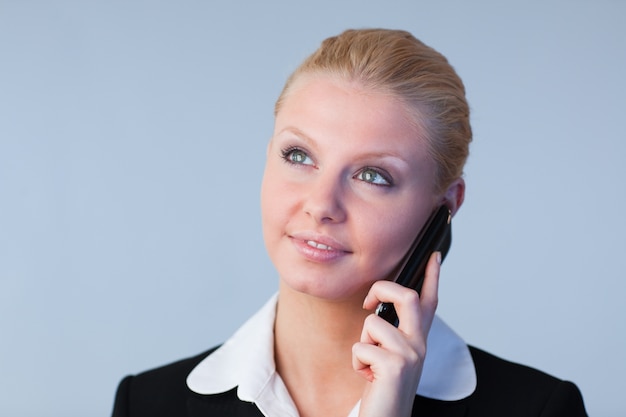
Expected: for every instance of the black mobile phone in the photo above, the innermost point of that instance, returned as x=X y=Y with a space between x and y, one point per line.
x=435 y=235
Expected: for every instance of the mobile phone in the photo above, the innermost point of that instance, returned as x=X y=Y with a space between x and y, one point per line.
x=435 y=235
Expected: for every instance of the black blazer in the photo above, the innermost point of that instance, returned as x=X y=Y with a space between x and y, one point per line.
x=504 y=389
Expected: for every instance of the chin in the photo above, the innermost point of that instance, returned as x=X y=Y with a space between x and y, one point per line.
x=329 y=291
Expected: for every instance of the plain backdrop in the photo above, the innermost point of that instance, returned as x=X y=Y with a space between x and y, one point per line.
x=132 y=144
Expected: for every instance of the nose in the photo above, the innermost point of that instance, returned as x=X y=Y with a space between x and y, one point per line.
x=325 y=200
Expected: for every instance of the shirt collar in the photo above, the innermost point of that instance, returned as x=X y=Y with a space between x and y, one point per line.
x=246 y=361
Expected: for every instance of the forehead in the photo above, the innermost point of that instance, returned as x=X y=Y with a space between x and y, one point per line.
x=343 y=108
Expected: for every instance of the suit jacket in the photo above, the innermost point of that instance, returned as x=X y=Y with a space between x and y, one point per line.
x=504 y=389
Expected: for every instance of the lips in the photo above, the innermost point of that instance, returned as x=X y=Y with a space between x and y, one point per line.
x=318 y=248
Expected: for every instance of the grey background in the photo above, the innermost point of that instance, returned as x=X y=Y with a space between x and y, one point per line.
x=132 y=140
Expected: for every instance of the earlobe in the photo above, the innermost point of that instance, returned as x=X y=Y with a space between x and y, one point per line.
x=454 y=195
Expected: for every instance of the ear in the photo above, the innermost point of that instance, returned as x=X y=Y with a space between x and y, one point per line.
x=454 y=195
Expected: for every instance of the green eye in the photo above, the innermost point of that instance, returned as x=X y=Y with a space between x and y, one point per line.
x=296 y=156
x=373 y=176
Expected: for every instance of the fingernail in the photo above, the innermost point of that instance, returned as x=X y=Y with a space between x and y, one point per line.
x=439 y=258
x=365 y=301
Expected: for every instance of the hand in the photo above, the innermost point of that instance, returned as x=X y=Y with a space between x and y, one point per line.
x=390 y=358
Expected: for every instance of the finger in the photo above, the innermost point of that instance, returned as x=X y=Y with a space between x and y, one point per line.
x=363 y=355
x=379 y=332
x=375 y=362
x=405 y=301
x=384 y=291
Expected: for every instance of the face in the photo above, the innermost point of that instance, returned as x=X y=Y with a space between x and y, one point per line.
x=347 y=185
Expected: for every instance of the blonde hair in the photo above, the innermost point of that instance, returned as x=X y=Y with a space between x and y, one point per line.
x=395 y=62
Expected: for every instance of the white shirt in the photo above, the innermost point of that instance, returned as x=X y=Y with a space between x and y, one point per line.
x=246 y=361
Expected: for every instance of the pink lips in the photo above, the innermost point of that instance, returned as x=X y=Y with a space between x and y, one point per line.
x=318 y=248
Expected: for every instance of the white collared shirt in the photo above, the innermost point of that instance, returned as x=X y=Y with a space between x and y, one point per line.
x=246 y=361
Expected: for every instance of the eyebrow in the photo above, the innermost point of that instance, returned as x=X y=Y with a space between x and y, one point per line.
x=299 y=133
x=310 y=141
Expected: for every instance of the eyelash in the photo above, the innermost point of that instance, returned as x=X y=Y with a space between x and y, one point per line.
x=384 y=175
x=287 y=152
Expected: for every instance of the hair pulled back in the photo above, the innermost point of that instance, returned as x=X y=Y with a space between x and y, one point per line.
x=395 y=62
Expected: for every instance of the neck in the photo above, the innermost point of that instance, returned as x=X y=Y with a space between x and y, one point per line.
x=313 y=347
x=313 y=322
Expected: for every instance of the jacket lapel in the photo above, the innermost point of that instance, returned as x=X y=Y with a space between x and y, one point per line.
x=435 y=408
x=225 y=404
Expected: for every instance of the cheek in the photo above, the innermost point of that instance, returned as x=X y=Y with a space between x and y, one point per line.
x=275 y=204
x=391 y=238
x=269 y=186
x=268 y=202
x=388 y=247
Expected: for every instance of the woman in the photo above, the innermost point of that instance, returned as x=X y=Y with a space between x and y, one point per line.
x=371 y=135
